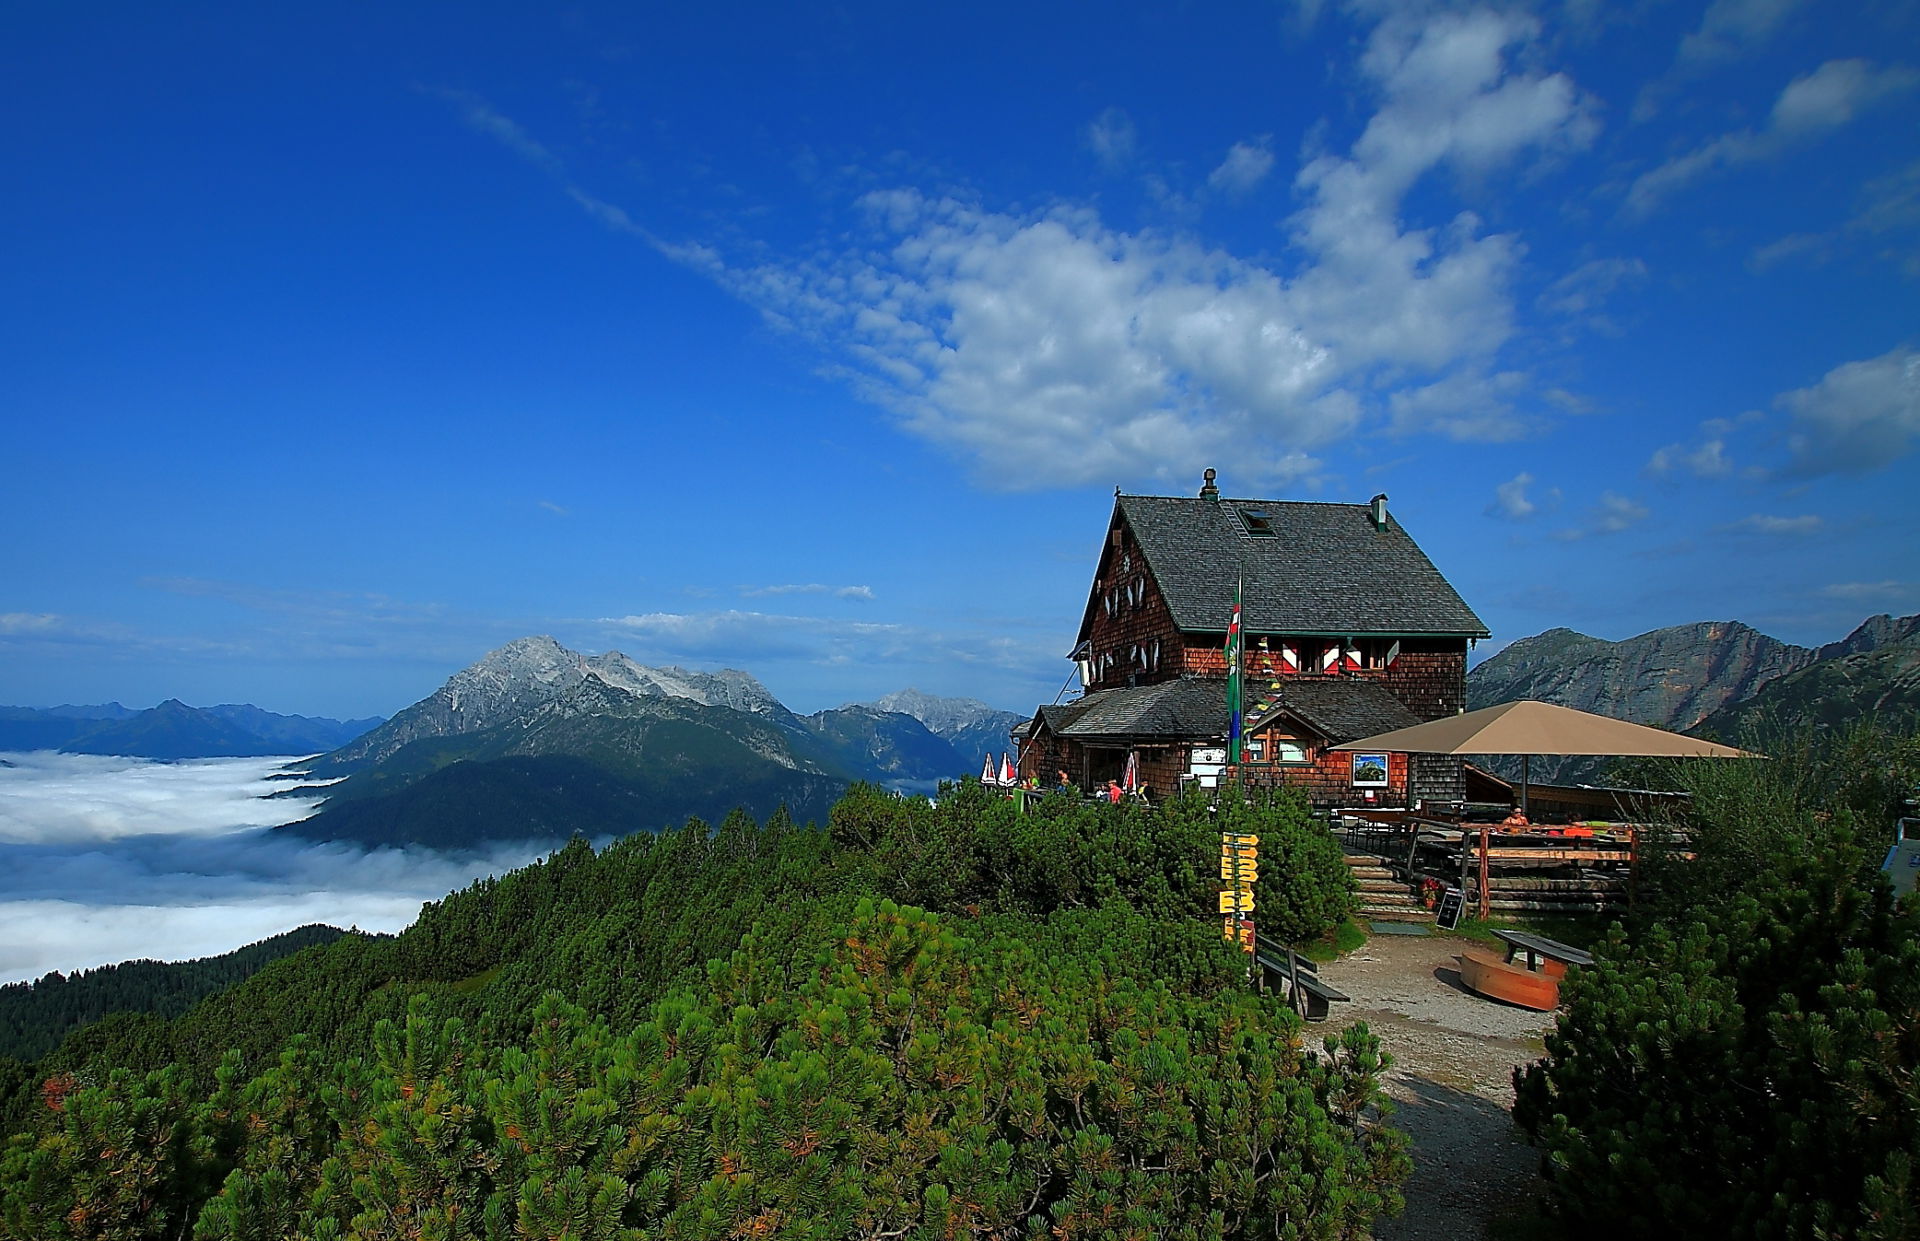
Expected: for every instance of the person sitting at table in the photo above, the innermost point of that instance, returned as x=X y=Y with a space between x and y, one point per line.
x=1062 y=783
x=1114 y=792
x=1516 y=822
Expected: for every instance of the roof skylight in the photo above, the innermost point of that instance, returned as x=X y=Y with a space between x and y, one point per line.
x=1258 y=523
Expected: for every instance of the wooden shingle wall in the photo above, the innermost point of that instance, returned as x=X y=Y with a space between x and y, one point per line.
x=1129 y=615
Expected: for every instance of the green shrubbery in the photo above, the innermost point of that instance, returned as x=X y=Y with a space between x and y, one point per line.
x=1743 y=1064
x=727 y=1033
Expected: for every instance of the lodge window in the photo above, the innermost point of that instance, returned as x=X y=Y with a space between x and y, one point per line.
x=1288 y=749
x=1379 y=652
x=1280 y=748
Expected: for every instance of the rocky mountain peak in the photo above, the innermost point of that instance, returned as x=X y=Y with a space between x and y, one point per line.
x=940 y=715
x=1874 y=633
x=729 y=687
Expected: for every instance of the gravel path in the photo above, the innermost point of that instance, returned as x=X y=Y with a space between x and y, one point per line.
x=1454 y=1054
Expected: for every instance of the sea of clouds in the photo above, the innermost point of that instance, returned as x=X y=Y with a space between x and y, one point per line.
x=114 y=859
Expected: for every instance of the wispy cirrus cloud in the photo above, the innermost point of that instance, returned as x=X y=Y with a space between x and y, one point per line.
x=1886 y=218
x=1769 y=525
x=30 y=622
x=1584 y=293
x=809 y=588
x=752 y=639
x=1731 y=28
x=1112 y=139
x=1612 y=513
x=320 y=605
x=1811 y=105
x=1875 y=594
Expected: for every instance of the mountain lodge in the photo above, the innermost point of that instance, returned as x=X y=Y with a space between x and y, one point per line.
x=1349 y=630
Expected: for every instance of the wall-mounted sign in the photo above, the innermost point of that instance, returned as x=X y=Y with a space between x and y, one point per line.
x=1207 y=762
x=1369 y=771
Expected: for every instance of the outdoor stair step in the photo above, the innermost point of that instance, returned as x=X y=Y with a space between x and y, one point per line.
x=1394 y=900
x=1384 y=883
x=1370 y=872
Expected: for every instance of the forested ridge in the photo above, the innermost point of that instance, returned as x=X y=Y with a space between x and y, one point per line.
x=916 y=1021
x=34 y=1016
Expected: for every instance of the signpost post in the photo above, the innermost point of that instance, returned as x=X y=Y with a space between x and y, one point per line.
x=1240 y=868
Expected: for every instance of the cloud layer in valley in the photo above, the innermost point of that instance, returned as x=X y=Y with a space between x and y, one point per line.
x=112 y=859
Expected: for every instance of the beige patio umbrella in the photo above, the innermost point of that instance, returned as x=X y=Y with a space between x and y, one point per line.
x=1527 y=728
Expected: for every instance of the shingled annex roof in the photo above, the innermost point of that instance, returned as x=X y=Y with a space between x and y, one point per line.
x=1190 y=709
x=1311 y=569
x=1337 y=708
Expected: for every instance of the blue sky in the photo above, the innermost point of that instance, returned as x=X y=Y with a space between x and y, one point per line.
x=340 y=344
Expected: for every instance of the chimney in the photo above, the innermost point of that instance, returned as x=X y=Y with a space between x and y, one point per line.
x=1207 y=490
x=1380 y=511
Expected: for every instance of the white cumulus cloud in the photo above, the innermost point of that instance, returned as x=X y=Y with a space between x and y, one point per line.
x=1512 y=503
x=1859 y=417
x=1247 y=165
x=1048 y=348
x=1707 y=459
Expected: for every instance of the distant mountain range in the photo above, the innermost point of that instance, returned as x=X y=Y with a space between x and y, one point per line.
x=173 y=730
x=1713 y=677
x=538 y=742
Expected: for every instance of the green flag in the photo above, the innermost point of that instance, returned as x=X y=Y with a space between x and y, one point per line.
x=1234 y=642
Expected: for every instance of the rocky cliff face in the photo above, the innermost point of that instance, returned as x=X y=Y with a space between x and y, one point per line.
x=1670 y=678
x=1881 y=683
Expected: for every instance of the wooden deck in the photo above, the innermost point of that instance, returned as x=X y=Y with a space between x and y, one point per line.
x=1508 y=872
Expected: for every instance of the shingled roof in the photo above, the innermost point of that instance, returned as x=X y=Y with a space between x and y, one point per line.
x=1325 y=569
x=1340 y=709
x=1194 y=708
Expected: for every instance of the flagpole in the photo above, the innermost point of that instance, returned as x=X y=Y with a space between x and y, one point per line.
x=1236 y=658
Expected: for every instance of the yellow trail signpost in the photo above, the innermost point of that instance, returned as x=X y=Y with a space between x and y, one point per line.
x=1240 y=870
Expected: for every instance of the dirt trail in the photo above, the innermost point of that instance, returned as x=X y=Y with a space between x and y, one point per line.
x=1454 y=1054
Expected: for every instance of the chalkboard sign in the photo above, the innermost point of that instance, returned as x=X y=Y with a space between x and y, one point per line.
x=1452 y=903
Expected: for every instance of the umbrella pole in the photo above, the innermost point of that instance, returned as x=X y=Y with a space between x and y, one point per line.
x=1526 y=762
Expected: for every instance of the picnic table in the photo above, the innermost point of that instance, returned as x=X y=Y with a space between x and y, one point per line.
x=1549 y=956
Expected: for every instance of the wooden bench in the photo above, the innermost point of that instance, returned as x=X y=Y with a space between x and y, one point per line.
x=1549 y=956
x=1309 y=996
